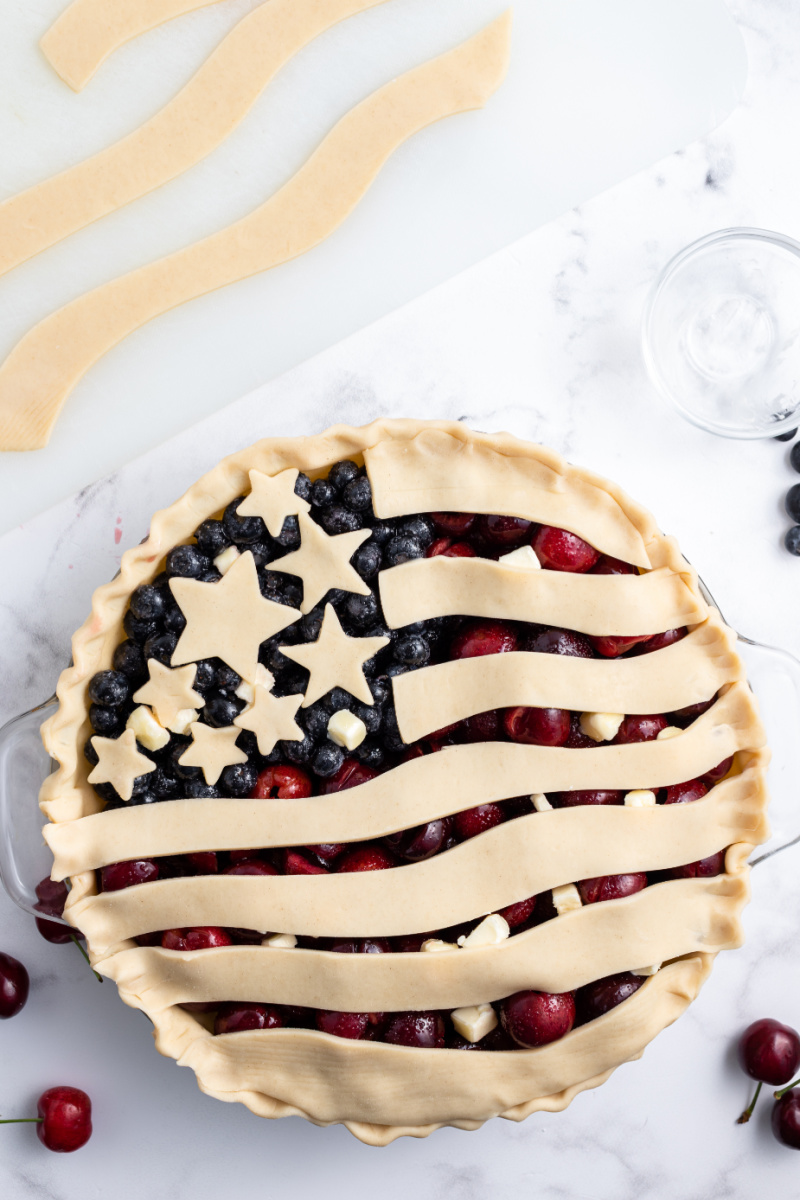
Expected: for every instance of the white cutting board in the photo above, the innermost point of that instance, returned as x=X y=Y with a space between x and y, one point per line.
x=598 y=89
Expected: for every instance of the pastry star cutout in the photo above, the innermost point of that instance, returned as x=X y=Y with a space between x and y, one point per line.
x=120 y=763
x=228 y=619
x=213 y=750
x=271 y=719
x=323 y=562
x=336 y=660
x=273 y=498
x=170 y=692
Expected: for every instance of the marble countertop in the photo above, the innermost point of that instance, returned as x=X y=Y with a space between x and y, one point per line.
x=541 y=339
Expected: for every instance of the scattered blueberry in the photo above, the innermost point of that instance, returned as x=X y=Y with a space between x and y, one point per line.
x=323 y=493
x=402 y=548
x=129 y=659
x=794 y=457
x=110 y=688
x=221 y=710
x=327 y=760
x=338 y=519
x=238 y=780
x=212 y=538
x=785 y=437
x=104 y=721
x=161 y=647
x=357 y=495
x=243 y=530
x=341 y=473
x=792 y=540
x=148 y=603
x=793 y=502
x=187 y=562
x=89 y=753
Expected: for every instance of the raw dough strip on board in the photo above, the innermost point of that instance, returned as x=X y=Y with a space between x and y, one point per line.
x=88 y=31
x=186 y=130
x=42 y=369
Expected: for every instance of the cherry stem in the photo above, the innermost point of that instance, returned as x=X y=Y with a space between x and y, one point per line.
x=748 y=1112
x=21 y=1120
x=99 y=978
x=788 y=1088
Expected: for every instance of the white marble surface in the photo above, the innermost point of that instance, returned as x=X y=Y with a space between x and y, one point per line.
x=541 y=339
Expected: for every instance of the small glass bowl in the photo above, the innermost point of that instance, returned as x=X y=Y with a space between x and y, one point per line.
x=721 y=333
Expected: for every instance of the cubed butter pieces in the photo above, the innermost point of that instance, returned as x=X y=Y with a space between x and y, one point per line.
x=224 y=561
x=147 y=730
x=492 y=930
x=645 y=971
x=524 y=556
x=566 y=898
x=280 y=941
x=475 y=1022
x=183 y=719
x=640 y=798
x=437 y=946
x=671 y=731
x=346 y=729
x=601 y=727
x=541 y=803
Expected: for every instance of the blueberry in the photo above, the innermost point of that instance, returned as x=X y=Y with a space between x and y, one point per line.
x=243 y=530
x=148 y=603
x=187 y=562
x=361 y=611
x=367 y=560
x=311 y=624
x=302 y=487
x=381 y=689
x=371 y=753
x=418 y=527
x=162 y=784
x=248 y=742
x=136 y=630
x=104 y=721
x=198 y=789
x=383 y=531
x=358 y=494
x=341 y=473
x=391 y=733
x=212 y=538
x=338 y=699
x=261 y=552
x=141 y=783
x=289 y=536
x=292 y=595
x=179 y=747
x=111 y=688
x=291 y=682
x=129 y=659
x=786 y=437
x=226 y=679
x=337 y=519
x=112 y=798
x=212 y=575
x=327 y=760
x=174 y=620
x=299 y=752
x=402 y=549
x=238 y=780
x=794 y=457
x=90 y=754
x=271 y=584
x=271 y=657
x=793 y=502
x=314 y=720
x=161 y=647
x=220 y=711
x=396 y=669
x=792 y=540
x=371 y=715
x=323 y=493
x=412 y=650
x=205 y=676
x=145 y=797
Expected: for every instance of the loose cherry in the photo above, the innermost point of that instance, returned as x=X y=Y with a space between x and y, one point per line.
x=422 y=1029
x=537 y=1018
x=639 y=729
x=685 y=793
x=559 y=641
x=786 y=1118
x=472 y=821
x=120 y=875
x=604 y=994
x=236 y=1017
x=282 y=782
x=295 y=863
x=611 y=887
x=342 y=1024
x=559 y=550
x=576 y=799
x=201 y=938
x=769 y=1052
x=505 y=532
x=517 y=914
x=368 y=857
x=612 y=646
x=453 y=524
x=537 y=726
x=445 y=548
x=705 y=868
x=606 y=565
x=483 y=637
x=14 y=986
x=350 y=774
x=64 y=1122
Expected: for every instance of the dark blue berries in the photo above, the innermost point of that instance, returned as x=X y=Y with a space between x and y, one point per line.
x=302 y=487
x=327 y=760
x=187 y=562
x=342 y=473
x=367 y=560
x=792 y=540
x=148 y=603
x=793 y=502
x=323 y=493
x=111 y=688
x=412 y=650
x=289 y=536
x=129 y=659
x=104 y=721
x=337 y=519
x=161 y=647
x=361 y=611
x=402 y=548
x=358 y=494
x=794 y=457
x=212 y=538
x=221 y=710
x=238 y=780
x=418 y=527
x=243 y=530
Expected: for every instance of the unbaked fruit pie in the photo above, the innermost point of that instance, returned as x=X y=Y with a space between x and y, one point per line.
x=398 y=743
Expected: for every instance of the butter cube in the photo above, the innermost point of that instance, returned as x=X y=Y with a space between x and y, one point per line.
x=475 y=1022
x=566 y=899
x=524 y=557
x=346 y=729
x=437 y=946
x=224 y=561
x=645 y=971
x=642 y=798
x=183 y=719
x=492 y=930
x=671 y=731
x=601 y=727
x=147 y=730
x=541 y=803
x=280 y=941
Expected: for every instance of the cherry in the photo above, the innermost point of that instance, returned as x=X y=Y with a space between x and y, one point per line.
x=368 y=857
x=244 y=937
x=639 y=729
x=64 y=1122
x=578 y=740
x=559 y=641
x=415 y=845
x=604 y=994
x=350 y=774
x=58 y=935
x=719 y=772
x=705 y=868
x=517 y=914
x=613 y=646
x=14 y=986
x=472 y=821
x=236 y=1017
x=327 y=851
x=251 y=866
x=786 y=1119
x=282 y=782
x=453 y=524
x=483 y=727
x=537 y=1018
x=149 y=939
x=202 y=938
x=560 y=550
x=483 y=637
x=361 y=946
x=411 y=943
x=606 y=565
x=575 y=799
x=422 y=1029
x=342 y=1024
x=770 y=1053
x=294 y=863
x=537 y=726
x=685 y=793
x=127 y=874
x=445 y=548
x=203 y=862
x=611 y=887
x=685 y=716
x=236 y=856
x=51 y=897
x=506 y=532
x=660 y=641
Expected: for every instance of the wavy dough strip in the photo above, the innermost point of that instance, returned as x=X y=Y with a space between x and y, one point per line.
x=688 y=672
x=627 y=605
x=186 y=130
x=663 y=922
x=381 y=1084
x=500 y=867
x=42 y=369
x=423 y=789
x=88 y=31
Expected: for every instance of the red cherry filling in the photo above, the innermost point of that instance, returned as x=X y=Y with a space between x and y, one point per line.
x=603 y=995
x=446 y=548
x=415 y=845
x=368 y=857
x=611 y=887
x=282 y=782
x=327 y=852
x=517 y=914
x=685 y=793
x=128 y=874
x=537 y=726
x=503 y=532
x=685 y=716
x=606 y=565
x=453 y=524
x=422 y=1029
x=578 y=740
x=660 y=641
x=360 y=946
x=558 y=641
x=483 y=637
x=472 y=821
x=350 y=774
x=202 y=938
x=705 y=868
x=343 y=1024
x=236 y=1017
x=203 y=862
x=537 y=1018
x=560 y=550
x=639 y=729
x=575 y=799
x=614 y=646
x=66 y=1119
x=294 y=863
x=252 y=866
x=719 y=772
x=483 y=727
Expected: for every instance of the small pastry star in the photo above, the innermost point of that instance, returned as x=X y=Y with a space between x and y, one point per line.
x=271 y=719
x=323 y=562
x=273 y=498
x=120 y=763
x=170 y=693
x=228 y=619
x=336 y=660
x=213 y=750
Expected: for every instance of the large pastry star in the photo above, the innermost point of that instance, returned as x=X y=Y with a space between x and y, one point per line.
x=323 y=562
x=228 y=619
x=336 y=660
x=170 y=693
x=271 y=719
x=273 y=498
x=213 y=750
x=120 y=763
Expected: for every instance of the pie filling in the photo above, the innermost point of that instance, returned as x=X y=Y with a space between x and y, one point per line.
x=169 y=724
